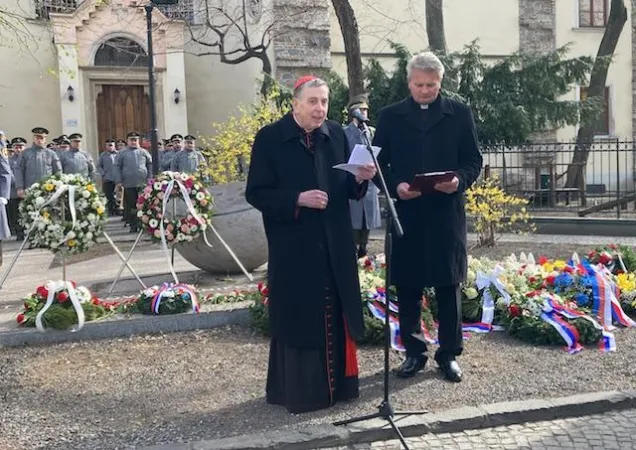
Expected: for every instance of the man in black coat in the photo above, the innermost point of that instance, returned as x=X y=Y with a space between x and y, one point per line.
x=426 y=133
x=314 y=304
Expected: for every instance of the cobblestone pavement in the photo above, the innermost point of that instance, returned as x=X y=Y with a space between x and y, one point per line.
x=615 y=430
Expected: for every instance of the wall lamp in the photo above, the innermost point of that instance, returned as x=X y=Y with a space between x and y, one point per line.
x=177 y=96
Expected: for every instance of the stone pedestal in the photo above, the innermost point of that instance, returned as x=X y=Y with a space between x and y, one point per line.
x=240 y=226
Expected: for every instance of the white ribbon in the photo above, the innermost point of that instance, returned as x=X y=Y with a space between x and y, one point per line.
x=484 y=282
x=53 y=287
x=71 y=205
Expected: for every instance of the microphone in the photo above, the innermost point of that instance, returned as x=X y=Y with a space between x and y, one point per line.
x=357 y=114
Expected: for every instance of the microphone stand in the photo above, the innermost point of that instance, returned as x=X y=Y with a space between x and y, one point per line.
x=385 y=409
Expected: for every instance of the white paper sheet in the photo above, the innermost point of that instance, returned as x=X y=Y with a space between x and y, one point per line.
x=360 y=157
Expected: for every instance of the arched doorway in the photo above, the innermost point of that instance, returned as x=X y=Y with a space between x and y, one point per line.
x=121 y=107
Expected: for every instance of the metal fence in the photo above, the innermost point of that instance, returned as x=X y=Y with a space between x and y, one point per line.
x=557 y=177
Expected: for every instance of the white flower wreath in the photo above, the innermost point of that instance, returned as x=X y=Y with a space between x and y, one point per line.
x=63 y=213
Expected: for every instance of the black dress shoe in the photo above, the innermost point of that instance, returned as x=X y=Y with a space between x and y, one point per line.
x=451 y=370
x=411 y=366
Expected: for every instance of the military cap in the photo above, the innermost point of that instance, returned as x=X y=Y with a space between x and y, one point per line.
x=176 y=137
x=110 y=141
x=120 y=141
x=40 y=130
x=63 y=142
x=359 y=101
x=50 y=145
x=75 y=136
x=166 y=141
x=189 y=137
x=18 y=140
x=133 y=134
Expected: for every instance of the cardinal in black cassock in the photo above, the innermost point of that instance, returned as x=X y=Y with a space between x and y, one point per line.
x=314 y=305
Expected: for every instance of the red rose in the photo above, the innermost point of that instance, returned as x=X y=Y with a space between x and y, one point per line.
x=532 y=279
x=265 y=292
x=550 y=279
x=515 y=310
x=42 y=292
x=20 y=319
x=367 y=262
x=62 y=296
x=543 y=260
x=613 y=246
x=95 y=301
x=568 y=269
x=531 y=294
x=259 y=286
x=592 y=254
x=605 y=258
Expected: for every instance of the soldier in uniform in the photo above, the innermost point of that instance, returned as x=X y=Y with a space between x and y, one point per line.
x=120 y=144
x=77 y=160
x=17 y=147
x=5 y=190
x=189 y=159
x=365 y=212
x=37 y=162
x=133 y=167
x=106 y=169
x=168 y=156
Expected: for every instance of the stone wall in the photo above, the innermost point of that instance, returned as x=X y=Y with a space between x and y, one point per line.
x=633 y=31
x=302 y=44
x=537 y=34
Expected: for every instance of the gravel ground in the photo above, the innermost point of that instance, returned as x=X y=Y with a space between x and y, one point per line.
x=209 y=384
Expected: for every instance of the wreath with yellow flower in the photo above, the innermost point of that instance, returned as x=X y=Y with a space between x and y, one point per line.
x=64 y=213
x=156 y=216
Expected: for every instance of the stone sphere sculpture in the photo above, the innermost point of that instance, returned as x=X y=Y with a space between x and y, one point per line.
x=240 y=226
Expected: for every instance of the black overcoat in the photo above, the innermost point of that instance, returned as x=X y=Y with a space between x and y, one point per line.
x=432 y=251
x=306 y=246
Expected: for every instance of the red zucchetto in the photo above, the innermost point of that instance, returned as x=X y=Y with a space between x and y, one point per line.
x=303 y=80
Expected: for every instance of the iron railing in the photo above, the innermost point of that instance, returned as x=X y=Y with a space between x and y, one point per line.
x=553 y=177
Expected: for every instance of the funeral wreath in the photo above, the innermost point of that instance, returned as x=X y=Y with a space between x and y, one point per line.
x=156 y=216
x=64 y=212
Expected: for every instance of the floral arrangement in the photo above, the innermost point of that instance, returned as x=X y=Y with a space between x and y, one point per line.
x=493 y=211
x=168 y=298
x=545 y=302
x=61 y=305
x=152 y=207
x=64 y=212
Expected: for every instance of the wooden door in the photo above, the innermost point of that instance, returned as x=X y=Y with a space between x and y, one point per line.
x=121 y=109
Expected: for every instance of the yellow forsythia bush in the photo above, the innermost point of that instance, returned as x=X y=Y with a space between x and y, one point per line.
x=494 y=211
x=229 y=148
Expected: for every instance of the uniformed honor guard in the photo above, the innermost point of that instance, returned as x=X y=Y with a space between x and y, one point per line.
x=37 y=162
x=177 y=145
x=107 y=171
x=189 y=160
x=17 y=147
x=75 y=160
x=365 y=213
x=120 y=144
x=133 y=167
x=5 y=192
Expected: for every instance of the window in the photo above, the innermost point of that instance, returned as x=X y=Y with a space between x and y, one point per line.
x=603 y=125
x=121 y=52
x=593 y=13
x=44 y=7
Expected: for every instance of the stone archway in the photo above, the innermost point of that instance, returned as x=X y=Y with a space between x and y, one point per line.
x=120 y=51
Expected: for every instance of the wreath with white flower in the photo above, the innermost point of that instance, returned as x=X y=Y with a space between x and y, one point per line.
x=64 y=213
x=154 y=212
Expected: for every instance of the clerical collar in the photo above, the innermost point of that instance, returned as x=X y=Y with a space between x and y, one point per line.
x=422 y=106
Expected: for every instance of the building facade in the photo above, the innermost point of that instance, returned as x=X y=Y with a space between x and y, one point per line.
x=81 y=64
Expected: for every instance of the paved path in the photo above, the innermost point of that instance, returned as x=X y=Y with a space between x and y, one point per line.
x=615 y=430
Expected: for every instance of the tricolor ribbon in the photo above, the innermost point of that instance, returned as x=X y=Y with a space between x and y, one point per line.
x=174 y=288
x=53 y=287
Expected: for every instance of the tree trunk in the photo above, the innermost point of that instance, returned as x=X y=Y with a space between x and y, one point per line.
x=268 y=80
x=613 y=29
x=351 y=36
x=435 y=26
